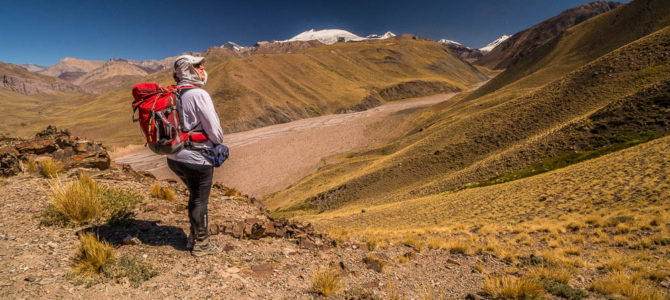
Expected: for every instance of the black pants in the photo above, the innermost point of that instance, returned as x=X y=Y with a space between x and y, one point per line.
x=198 y=179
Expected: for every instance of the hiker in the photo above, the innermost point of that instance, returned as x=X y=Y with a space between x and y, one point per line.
x=194 y=169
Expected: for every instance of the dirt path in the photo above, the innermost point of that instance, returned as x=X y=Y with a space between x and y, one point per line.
x=269 y=159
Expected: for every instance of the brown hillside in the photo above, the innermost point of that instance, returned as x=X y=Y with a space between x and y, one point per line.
x=524 y=42
x=581 y=44
x=19 y=80
x=265 y=89
x=484 y=138
x=113 y=74
x=70 y=66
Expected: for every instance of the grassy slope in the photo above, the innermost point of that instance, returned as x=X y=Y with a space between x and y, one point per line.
x=585 y=187
x=581 y=44
x=480 y=139
x=271 y=88
x=267 y=89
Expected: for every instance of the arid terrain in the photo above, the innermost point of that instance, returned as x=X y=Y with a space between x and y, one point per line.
x=395 y=168
x=269 y=159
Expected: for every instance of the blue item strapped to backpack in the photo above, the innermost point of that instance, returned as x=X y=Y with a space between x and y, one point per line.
x=216 y=155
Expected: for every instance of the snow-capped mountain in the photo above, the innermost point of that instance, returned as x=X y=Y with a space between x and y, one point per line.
x=465 y=52
x=34 y=67
x=495 y=43
x=449 y=42
x=331 y=36
x=232 y=46
x=386 y=35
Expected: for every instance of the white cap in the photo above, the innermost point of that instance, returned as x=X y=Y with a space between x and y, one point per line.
x=187 y=59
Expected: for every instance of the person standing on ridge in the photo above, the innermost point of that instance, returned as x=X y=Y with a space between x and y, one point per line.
x=189 y=164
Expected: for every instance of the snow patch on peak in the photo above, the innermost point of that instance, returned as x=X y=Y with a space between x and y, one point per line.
x=326 y=36
x=495 y=43
x=449 y=42
x=331 y=36
x=232 y=46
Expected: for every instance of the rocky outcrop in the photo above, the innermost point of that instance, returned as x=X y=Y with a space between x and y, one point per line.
x=372 y=100
x=416 y=88
x=260 y=223
x=29 y=86
x=466 y=53
x=9 y=161
x=73 y=152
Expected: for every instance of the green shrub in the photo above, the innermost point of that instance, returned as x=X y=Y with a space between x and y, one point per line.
x=130 y=267
x=118 y=205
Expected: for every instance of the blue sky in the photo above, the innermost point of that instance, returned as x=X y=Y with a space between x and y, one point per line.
x=43 y=32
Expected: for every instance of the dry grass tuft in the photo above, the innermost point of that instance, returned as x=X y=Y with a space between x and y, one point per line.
x=162 y=192
x=156 y=190
x=371 y=244
x=622 y=228
x=509 y=287
x=556 y=274
x=31 y=166
x=646 y=293
x=575 y=251
x=232 y=192
x=375 y=263
x=50 y=168
x=392 y=290
x=76 y=201
x=326 y=281
x=92 y=256
x=460 y=246
x=82 y=201
x=415 y=243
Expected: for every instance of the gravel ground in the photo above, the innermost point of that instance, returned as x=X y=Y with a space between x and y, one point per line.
x=35 y=260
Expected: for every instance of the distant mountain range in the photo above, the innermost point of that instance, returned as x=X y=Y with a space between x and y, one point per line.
x=513 y=48
x=471 y=54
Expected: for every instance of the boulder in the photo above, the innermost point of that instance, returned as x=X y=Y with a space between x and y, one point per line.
x=9 y=161
x=38 y=145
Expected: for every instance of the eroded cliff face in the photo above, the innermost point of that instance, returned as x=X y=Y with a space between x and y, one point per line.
x=31 y=87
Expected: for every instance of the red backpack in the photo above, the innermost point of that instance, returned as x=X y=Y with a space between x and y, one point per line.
x=161 y=118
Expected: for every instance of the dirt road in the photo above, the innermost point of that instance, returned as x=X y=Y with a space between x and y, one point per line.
x=268 y=159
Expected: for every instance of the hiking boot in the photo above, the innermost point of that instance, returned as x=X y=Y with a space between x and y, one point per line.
x=190 y=242
x=205 y=247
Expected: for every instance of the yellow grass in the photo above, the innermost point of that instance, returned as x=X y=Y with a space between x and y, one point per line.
x=92 y=255
x=558 y=274
x=50 y=167
x=77 y=201
x=326 y=281
x=510 y=287
x=459 y=246
x=162 y=192
x=31 y=166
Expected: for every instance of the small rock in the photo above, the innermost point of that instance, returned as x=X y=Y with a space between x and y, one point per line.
x=145 y=255
x=233 y=270
x=473 y=297
x=52 y=245
x=288 y=251
x=374 y=263
x=453 y=262
x=130 y=240
x=363 y=210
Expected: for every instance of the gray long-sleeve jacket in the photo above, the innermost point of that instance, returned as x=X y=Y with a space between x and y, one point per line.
x=199 y=115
